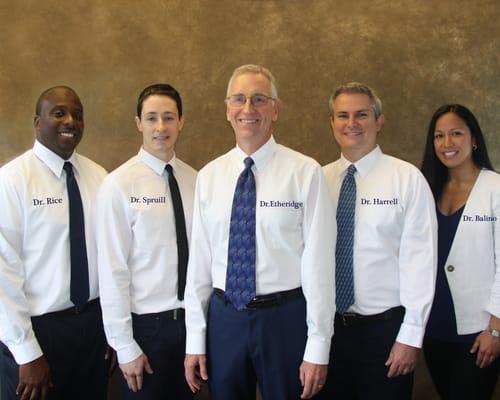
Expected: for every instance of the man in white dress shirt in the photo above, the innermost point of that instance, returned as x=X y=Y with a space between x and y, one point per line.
x=278 y=332
x=50 y=322
x=142 y=259
x=379 y=332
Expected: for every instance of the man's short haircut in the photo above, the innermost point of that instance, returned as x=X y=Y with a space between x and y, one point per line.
x=43 y=95
x=159 y=89
x=358 y=88
x=254 y=69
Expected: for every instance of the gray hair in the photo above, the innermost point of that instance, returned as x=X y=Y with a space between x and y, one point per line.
x=358 y=88
x=254 y=69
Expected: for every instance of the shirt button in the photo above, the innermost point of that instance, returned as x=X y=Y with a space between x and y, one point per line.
x=450 y=268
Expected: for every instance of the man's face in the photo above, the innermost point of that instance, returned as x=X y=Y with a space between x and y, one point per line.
x=252 y=125
x=59 y=126
x=354 y=125
x=160 y=126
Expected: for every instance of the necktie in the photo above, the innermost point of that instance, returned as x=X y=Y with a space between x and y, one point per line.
x=79 y=284
x=180 y=229
x=240 y=278
x=344 y=279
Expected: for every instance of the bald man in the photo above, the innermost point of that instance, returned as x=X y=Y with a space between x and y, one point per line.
x=53 y=344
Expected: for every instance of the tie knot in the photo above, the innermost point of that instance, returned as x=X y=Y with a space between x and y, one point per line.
x=351 y=170
x=248 y=162
x=169 y=169
x=68 y=167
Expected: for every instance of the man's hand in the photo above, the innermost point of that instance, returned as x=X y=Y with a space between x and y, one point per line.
x=133 y=371
x=195 y=367
x=34 y=380
x=402 y=359
x=312 y=378
x=487 y=348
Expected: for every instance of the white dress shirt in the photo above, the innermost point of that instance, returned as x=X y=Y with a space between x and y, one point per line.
x=137 y=244
x=35 y=265
x=295 y=239
x=395 y=239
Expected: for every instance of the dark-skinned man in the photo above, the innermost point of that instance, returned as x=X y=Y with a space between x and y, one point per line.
x=53 y=344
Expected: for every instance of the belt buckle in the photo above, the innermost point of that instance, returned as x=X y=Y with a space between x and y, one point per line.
x=175 y=314
x=346 y=316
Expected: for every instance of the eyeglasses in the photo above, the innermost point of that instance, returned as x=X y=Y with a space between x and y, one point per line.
x=257 y=100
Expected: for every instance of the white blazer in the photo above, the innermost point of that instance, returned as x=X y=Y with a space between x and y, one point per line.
x=473 y=264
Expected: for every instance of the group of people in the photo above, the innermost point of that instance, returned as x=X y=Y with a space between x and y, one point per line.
x=261 y=269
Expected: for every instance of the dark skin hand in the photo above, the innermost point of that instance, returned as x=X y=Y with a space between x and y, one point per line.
x=34 y=380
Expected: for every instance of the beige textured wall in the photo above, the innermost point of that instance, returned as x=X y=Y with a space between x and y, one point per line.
x=417 y=54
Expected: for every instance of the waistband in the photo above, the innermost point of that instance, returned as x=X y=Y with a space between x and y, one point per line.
x=266 y=300
x=75 y=310
x=174 y=315
x=353 y=319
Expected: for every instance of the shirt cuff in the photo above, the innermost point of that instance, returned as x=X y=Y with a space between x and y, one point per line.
x=412 y=335
x=317 y=351
x=493 y=309
x=26 y=352
x=128 y=353
x=195 y=343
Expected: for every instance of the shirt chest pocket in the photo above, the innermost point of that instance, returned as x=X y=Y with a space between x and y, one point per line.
x=153 y=218
x=280 y=226
x=47 y=209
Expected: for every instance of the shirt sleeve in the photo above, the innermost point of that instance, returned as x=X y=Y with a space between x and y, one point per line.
x=317 y=268
x=16 y=331
x=199 y=284
x=493 y=306
x=417 y=260
x=114 y=238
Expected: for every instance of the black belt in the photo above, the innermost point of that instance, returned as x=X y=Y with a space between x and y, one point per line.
x=351 y=319
x=75 y=310
x=266 y=300
x=174 y=315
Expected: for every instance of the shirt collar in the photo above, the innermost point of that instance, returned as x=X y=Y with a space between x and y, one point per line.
x=155 y=163
x=365 y=164
x=52 y=160
x=260 y=157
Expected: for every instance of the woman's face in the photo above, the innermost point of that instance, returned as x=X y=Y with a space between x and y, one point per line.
x=453 y=142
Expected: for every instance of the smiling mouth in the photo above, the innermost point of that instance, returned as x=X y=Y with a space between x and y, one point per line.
x=247 y=121
x=162 y=137
x=449 y=154
x=352 y=133
x=68 y=134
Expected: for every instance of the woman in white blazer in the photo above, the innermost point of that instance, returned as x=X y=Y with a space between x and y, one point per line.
x=462 y=342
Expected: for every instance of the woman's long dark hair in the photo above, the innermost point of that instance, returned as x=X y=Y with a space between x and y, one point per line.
x=434 y=170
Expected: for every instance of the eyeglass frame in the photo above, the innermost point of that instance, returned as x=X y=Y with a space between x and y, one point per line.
x=273 y=99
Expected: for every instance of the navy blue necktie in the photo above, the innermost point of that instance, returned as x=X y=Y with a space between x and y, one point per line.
x=344 y=279
x=180 y=229
x=240 y=277
x=79 y=284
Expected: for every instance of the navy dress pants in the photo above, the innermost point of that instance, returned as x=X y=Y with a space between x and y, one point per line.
x=264 y=346
x=74 y=346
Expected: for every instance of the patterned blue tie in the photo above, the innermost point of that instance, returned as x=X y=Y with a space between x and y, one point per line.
x=240 y=278
x=344 y=279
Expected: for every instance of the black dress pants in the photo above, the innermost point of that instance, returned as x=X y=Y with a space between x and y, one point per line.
x=454 y=372
x=74 y=346
x=357 y=363
x=162 y=338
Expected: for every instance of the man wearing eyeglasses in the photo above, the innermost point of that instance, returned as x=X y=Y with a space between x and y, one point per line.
x=259 y=298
